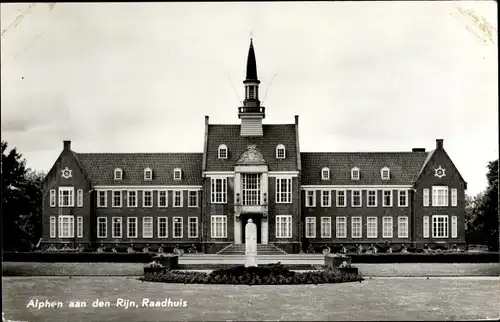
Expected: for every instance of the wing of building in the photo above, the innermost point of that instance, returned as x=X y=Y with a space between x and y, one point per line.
x=253 y=170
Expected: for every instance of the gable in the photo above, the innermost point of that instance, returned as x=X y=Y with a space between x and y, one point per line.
x=66 y=160
x=440 y=159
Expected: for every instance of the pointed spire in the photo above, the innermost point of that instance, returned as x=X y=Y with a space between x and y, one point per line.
x=251 y=63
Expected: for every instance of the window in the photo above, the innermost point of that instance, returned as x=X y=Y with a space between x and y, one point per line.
x=403 y=198
x=132 y=198
x=283 y=190
x=162 y=198
x=148 y=174
x=280 y=152
x=439 y=196
x=402 y=227
x=385 y=173
x=310 y=227
x=310 y=198
x=147 y=227
x=326 y=198
x=66 y=226
x=440 y=226
x=162 y=227
x=341 y=227
x=355 y=174
x=387 y=227
x=147 y=198
x=372 y=198
x=177 y=198
x=371 y=227
x=102 y=227
x=326 y=227
x=177 y=174
x=426 y=226
x=325 y=174
x=251 y=92
x=341 y=200
x=222 y=151
x=79 y=227
x=79 y=197
x=53 y=198
x=193 y=198
x=426 y=197
x=387 y=198
x=454 y=193
x=251 y=188
x=454 y=224
x=192 y=227
x=356 y=198
x=219 y=190
x=284 y=226
x=66 y=197
x=219 y=226
x=116 y=230
x=356 y=227
x=102 y=198
x=53 y=227
x=117 y=198
x=118 y=174
x=177 y=227
x=132 y=227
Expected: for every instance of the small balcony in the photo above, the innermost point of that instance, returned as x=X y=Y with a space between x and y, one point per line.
x=251 y=109
x=240 y=208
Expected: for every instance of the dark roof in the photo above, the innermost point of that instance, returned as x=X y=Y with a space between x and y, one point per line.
x=273 y=134
x=404 y=167
x=251 y=64
x=99 y=168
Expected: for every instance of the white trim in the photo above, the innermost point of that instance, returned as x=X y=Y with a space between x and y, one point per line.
x=79 y=198
x=288 y=193
x=118 y=170
x=99 y=205
x=113 y=227
x=148 y=170
x=166 y=198
x=454 y=197
x=368 y=198
x=79 y=227
x=136 y=198
x=173 y=227
x=327 y=170
x=158 y=222
x=426 y=197
x=454 y=227
x=337 y=224
x=71 y=196
x=105 y=226
x=53 y=227
x=181 y=199
x=355 y=186
x=224 y=174
x=189 y=227
x=71 y=226
x=312 y=222
x=426 y=225
x=391 y=231
x=383 y=198
x=382 y=173
x=136 y=227
x=329 y=204
x=149 y=187
x=189 y=199
x=360 y=227
x=113 y=198
x=144 y=198
x=53 y=198
x=288 y=223
x=435 y=196
x=222 y=147
x=308 y=204
x=406 y=198
x=446 y=228
x=152 y=227
x=337 y=198
x=178 y=171
x=280 y=147
x=352 y=174
x=214 y=193
x=283 y=173
x=406 y=223
x=368 y=227
x=360 y=198
x=327 y=223
x=213 y=222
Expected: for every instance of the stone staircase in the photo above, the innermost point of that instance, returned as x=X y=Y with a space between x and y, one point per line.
x=262 y=249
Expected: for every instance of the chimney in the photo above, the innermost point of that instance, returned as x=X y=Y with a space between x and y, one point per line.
x=439 y=144
x=66 y=145
x=296 y=120
x=418 y=150
x=206 y=119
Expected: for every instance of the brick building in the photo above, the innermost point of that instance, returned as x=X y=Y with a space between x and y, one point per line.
x=253 y=170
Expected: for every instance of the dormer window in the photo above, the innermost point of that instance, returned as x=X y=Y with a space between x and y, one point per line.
x=280 y=151
x=118 y=174
x=148 y=174
x=355 y=173
x=177 y=174
x=385 y=173
x=325 y=174
x=222 y=151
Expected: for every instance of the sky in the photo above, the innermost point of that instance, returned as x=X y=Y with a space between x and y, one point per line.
x=362 y=76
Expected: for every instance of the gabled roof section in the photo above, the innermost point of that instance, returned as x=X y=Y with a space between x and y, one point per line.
x=404 y=166
x=251 y=157
x=100 y=168
x=273 y=134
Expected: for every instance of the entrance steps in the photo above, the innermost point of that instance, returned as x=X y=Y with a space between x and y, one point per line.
x=262 y=249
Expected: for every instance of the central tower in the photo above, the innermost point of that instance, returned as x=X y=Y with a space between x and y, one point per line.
x=251 y=113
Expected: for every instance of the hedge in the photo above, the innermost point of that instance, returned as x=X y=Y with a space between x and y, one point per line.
x=66 y=257
x=381 y=258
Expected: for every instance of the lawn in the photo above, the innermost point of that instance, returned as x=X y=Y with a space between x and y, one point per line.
x=377 y=299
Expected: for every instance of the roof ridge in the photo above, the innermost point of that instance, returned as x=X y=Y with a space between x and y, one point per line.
x=138 y=152
x=338 y=152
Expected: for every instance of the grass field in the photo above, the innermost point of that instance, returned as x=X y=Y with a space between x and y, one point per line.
x=377 y=299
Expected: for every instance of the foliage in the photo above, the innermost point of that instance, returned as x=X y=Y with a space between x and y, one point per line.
x=21 y=201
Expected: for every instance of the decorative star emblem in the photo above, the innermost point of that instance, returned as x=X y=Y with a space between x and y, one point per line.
x=439 y=172
x=66 y=173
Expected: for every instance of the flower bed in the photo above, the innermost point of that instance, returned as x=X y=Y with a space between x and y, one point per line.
x=272 y=274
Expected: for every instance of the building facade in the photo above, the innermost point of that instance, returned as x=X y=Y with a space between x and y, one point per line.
x=253 y=170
